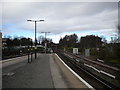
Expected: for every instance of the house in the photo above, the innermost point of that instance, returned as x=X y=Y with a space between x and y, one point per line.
x=4 y=41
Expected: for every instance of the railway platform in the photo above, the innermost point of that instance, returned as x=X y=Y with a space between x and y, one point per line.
x=47 y=71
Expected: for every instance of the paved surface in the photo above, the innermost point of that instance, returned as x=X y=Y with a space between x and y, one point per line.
x=33 y=75
x=13 y=63
x=57 y=75
x=47 y=71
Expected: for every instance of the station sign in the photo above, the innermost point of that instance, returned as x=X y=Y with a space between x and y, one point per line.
x=75 y=50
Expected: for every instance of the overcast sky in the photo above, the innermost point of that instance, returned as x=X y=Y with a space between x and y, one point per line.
x=61 y=18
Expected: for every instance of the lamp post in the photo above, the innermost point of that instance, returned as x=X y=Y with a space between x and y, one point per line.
x=45 y=40
x=35 y=21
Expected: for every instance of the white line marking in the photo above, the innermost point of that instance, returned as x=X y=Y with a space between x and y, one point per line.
x=12 y=59
x=100 y=71
x=5 y=61
x=110 y=75
x=88 y=85
x=9 y=74
x=100 y=60
x=77 y=60
x=92 y=67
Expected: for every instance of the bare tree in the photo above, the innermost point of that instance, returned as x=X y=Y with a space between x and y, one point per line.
x=40 y=39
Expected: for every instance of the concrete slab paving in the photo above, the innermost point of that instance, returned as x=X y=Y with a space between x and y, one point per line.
x=58 y=78
x=46 y=71
x=33 y=75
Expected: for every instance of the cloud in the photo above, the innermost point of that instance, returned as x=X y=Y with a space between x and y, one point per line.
x=60 y=1
x=61 y=17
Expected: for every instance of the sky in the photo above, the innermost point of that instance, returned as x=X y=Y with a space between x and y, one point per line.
x=61 y=18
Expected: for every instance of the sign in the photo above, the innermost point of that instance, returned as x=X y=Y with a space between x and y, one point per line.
x=75 y=50
x=87 y=52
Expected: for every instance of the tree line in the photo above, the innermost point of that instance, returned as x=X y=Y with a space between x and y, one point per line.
x=17 y=42
x=89 y=41
x=99 y=48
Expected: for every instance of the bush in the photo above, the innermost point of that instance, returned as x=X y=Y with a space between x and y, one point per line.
x=69 y=49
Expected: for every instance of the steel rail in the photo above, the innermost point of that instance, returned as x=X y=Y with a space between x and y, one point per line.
x=103 y=82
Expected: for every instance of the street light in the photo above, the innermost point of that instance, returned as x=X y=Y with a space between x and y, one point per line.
x=45 y=40
x=35 y=34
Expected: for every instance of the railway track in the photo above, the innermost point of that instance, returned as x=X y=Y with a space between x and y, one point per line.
x=111 y=71
x=96 y=81
x=100 y=64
